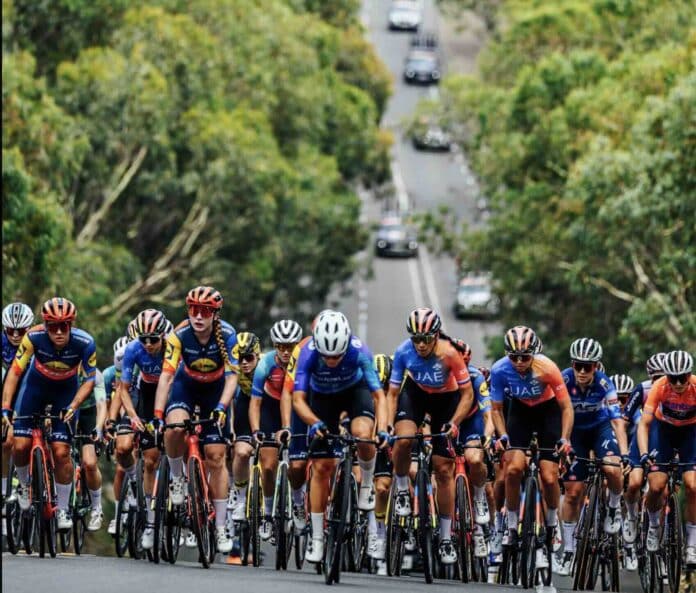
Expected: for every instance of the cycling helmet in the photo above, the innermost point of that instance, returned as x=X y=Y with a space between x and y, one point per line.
x=248 y=343
x=206 y=296
x=168 y=327
x=17 y=316
x=332 y=334
x=286 y=331
x=600 y=367
x=654 y=364
x=58 y=309
x=623 y=383
x=150 y=322
x=423 y=321
x=678 y=362
x=540 y=347
x=132 y=329
x=120 y=344
x=383 y=366
x=521 y=340
x=463 y=348
x=314 y=321
x=586 y=350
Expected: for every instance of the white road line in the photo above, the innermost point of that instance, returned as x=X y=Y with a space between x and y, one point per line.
x=400 y=187
x=415 y=283
x=362 y=310
x=429 y=278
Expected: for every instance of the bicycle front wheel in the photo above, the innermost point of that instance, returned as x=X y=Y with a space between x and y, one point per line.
x=672 y=542
x=283 y=519
x=424 y=523
x=464 y=527
x=122 y=510
x=584 y=549
x=528 y=537
x=395 y=536
x=254 y=514
x=336 y=512
x=199 y=510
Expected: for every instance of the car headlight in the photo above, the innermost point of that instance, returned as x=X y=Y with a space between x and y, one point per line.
x=435 y=74
x=410 y=73
x=381 y=243
x=412 y=244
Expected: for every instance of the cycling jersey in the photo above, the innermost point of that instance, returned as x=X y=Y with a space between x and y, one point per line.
x=37 y=352
x=200 y=362
x=634 y=405
x=541 y=383
x=289 y=383
x=482 y=399
x=596 y=404
x=8 y=350
x=443 y=371
x=269 y=376
x=670 y=406
x=356 y=365
x=150 y=365
x=298 y=443
x=109 y=378
x=118 y=360
x=98 y=394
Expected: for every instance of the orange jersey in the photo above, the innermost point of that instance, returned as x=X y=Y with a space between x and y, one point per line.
x=670 y=406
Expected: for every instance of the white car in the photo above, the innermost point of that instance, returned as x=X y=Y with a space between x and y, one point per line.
x=475 y=297
x=405 y=15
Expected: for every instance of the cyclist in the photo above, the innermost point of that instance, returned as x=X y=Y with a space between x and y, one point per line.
x=207 y=376
x=264 y=409
x=597 y=427
x=669 y=423
x=437 y=383
x=52 y=354
x=145 y=353
x=632 y=413
x=335 y=374
x=17 y=318
x=248 y=352
x=539 y=403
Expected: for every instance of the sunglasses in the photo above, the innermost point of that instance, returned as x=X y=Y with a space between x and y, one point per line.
x=248 y=357
x=285 y=347
x=203 y=311
x=682 y=379
x=520 y=357
x=17 y=332
x=586 y=367
x=423 y=338
x=60 y=326
x=337 y=357
x=149 y=339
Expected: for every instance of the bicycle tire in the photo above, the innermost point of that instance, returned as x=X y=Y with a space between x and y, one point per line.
x=242 y=529
x=65 y=539
x=254 y=515
x=596 y=558
x=337 y=510
x=463 y=523
x=583 y=549
x=137 y=516
x=642 y=555
x=39 y=498
x=615 y=562
x=84 y=504
x=528 y=537
x=394 y=551
x=122 y=517
x=355 y=537
x=160 y=508
x=672 y=548
x=282 y=520
x=199 y=510
x=424 y=525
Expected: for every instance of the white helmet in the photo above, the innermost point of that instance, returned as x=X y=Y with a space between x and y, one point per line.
x=168 y=328
x=654 y=364
x=586 y=350
x=623 y=383
x=678 y=362
x=17 y=316
x=286 y=331
x=331 y=333
x=120 y=344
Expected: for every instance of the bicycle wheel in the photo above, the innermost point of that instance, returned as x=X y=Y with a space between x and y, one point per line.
x=13 y=515
x=597 y=548
x=356 y=535
x=254 y=514
x=283 y=520
x=464 y=532
x=160 y=507
x=528 y=535
x=583 y=553
x=424 y=523
x=122 y=512
x=395 y=536
x=199 y=510
x=672 y=542
x=83 y=506
x=614 y=564
x=336 y=512
x=643 y=557
x=39 y=497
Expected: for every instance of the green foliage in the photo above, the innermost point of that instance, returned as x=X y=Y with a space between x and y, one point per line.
x=582 y=130
x=178 y=143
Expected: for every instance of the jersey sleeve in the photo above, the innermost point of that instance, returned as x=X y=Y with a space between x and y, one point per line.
x=654 y=397
x=99 y=391
x=23 y=356
x=555 y=381
x=303 y=370
x=128 y=364
x=497 y=385
x=611 y=398
x=89 y=361
x=172 y=354
x=458 y=368
x=634 y=403
x=260 y=375
x=232 y=365
x=369 y=372
x=398 y=368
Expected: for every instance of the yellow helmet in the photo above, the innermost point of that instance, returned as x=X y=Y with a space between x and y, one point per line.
x=247 y=343
x=383 y=366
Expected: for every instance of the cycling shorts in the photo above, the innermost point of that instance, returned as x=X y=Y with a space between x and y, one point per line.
x=414 y=404
x=544 y=419
x=471 y=429
x=187 y=393
x=600 y=439
x=242 y=428
x=298 y=443
x=146 y=400
x=35 y=393
x=665 y=438
x=270 y=415
x=383 y=464
x=147 y=439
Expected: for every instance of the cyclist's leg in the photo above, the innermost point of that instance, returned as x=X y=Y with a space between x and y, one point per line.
x=410 y=412
x=520 y=426
x=270 y=423
x=297 y=472
x=124 y=448
x=606 y=447
x=548 y=420
x=470 y=432
x=632 y=493
x=686 y=437
x=658 y=442
x=361 y=409
x=383 y=480
x=6 y=456
x=178 y=409
x=574 y=486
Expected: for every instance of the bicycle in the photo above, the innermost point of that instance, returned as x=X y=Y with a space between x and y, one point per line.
x=667 y=562
x=424 y=516
x=598 y=552
x=39 y=522
x=282 y=510
x=12 y=518
x=519 y=556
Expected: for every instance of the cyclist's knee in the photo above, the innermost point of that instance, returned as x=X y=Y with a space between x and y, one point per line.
x=514 y=471
x=657 y=482
x=382 y=485
x=573 y=493
x=322 y=468
x=150 y=464
x=214 y=458
x=123 y=448
x=21 y=448
x=474 y=456
x=549 y=476
x=61 y=456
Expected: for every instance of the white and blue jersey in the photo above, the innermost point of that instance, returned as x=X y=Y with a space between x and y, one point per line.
x=355 y=366
x=150 y=365
x=8 y=351
x=594 y=405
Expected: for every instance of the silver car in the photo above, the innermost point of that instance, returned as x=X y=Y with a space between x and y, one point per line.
x=405 y=15
x=396 y=239
x=475 y=297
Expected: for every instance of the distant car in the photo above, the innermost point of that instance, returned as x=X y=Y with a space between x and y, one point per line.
x=405 y=15
x=395 y=238
x=422 y=66
x=475 y=297
x=429 y=135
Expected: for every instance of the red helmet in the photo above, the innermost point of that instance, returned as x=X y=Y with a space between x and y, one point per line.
x=58 y=309
x=206 y=296
x=150 y=322
x=423 y=321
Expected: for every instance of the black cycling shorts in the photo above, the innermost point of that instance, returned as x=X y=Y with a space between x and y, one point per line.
x=242 y=429
x=544 y=419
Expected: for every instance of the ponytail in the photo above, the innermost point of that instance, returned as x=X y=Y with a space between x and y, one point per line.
x=217 y=330
x=459 y=345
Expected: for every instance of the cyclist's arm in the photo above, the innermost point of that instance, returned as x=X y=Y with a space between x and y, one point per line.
x=164 y=385
x=488 y=426
x=619 y=426
x=381 y=410
x=567 y=417
x=115 y=405
x=286 y=405
x=643 y=431
x=255 y=414
x=498 y=418
x=392 y=400
x=101 y=414
x=299 y=403
x=9 y=388
x=82 y=394
x=466 y=399
x=125 y=399
x=228 y=391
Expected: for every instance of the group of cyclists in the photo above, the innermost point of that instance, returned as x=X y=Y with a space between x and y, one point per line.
x=308 y=387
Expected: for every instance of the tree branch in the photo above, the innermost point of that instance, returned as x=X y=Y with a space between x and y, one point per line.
x=601 y=283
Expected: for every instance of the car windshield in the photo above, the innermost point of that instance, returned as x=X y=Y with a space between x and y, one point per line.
x=421 y=63
x=393 y=228
x=473 y=288
x=407 y=6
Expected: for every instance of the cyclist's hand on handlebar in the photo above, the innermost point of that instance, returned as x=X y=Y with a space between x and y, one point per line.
x=96 y=435
x=259 y=436
x=625 y=464
x=156 y=426
x=564 y=448
x=7 y=417
x=646 y=460
x=109 y=429
x=137 y=424
x=283 y=435
x=502 y=443
x=451 y=429
x=318 y=429
x=67 y=414
x=219 y=415
x=383 y=438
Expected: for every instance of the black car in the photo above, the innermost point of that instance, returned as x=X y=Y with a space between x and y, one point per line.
x=395 y=238
x=422 y=67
